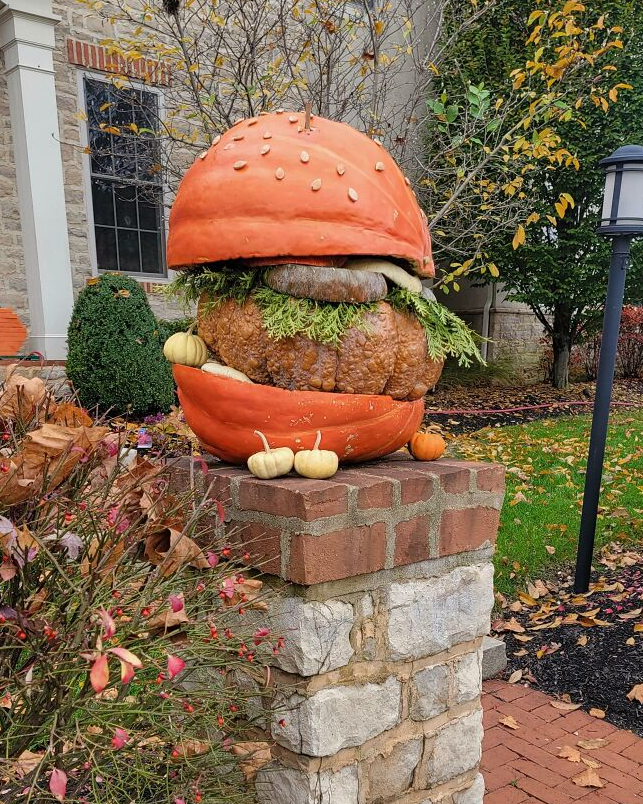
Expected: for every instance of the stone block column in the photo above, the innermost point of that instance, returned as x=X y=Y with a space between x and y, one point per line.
x=385 y=590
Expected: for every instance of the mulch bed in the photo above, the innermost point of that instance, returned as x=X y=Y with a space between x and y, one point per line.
x=500 y=398
x=586 y=650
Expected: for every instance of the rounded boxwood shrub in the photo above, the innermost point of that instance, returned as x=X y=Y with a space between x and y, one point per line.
x=115 y=360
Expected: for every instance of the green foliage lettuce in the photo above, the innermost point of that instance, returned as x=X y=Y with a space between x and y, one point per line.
x=115 y=359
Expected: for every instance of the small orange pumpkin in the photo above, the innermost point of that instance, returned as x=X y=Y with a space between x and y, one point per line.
x=427 y=446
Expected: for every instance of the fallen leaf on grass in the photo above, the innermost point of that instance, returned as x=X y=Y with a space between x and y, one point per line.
x=597 y=713
x=515 y=677
x=564 y=706
x=551 y=550
x=588 y=778
x=567 y=752
x=589 y=745
x=510 y=722
x=636 y=693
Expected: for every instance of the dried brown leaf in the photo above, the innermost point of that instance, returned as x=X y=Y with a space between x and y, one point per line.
x=510 y=722
x=597 y=713
x=171 y=549
x=588 y=778
x=636 y=693
x=567 y=752
x=564 y=706
x=253 y=756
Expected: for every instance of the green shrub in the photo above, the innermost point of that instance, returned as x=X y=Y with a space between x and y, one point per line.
x=115 y=359
x=170 y=326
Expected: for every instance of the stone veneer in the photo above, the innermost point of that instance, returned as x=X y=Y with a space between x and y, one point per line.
x=385 y=590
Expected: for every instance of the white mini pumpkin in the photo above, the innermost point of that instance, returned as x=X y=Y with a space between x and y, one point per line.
x=186 y=349
x=315 y=463
x=271 y=462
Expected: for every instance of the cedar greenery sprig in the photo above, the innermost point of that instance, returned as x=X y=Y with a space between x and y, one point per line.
x=325 y=322
x=447 y=335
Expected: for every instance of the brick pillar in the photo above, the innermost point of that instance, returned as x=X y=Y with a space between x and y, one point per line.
x=385 y=594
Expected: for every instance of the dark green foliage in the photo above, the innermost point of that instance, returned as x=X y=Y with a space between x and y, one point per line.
x=115 y=359
x=170 y=326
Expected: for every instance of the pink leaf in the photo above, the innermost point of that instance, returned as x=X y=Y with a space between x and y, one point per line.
x=127 y=656
x=120 y=738
x=58 y=784
x=213 y=559
x=220 y=511
x=99 y=674
x=176 y=601
x=7 y=571
x=108 y=624
x=174 y=665
x=179 y=801
x=127 y=672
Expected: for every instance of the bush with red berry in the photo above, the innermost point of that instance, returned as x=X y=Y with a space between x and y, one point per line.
x=132 y=645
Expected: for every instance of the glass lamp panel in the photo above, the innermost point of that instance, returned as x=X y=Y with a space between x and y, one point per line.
x=630 y=207
x=610 y=179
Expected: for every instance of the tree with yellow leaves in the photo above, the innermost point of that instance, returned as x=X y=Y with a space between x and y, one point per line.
x=555 y=262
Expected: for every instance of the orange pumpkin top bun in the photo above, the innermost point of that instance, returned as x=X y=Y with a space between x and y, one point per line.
x=268 y=188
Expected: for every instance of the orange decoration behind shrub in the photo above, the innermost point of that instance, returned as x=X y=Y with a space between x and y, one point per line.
x=427 y=446
x=225 y=413
x=12 y=332
x=270 y=188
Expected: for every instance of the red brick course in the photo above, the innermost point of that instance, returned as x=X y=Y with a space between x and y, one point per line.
x=407 y=510
x=466 y=529
x=97 y=57
x=342 y=554
x=522 y=765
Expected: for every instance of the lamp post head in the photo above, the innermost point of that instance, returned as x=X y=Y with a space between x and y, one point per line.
x=623 y=198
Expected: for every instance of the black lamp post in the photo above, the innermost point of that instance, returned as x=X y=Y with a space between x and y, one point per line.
x=622 y=220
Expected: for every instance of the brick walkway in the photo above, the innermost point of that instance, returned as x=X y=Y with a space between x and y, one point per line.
x=521 y=766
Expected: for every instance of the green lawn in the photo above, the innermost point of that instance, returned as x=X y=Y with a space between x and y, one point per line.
x=545 y=463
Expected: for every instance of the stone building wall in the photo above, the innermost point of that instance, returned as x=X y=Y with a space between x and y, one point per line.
x=515 y=334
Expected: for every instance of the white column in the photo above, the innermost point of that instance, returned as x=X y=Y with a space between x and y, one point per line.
x=27 y=40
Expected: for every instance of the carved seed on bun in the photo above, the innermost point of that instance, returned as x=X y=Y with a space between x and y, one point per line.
x=304 y=249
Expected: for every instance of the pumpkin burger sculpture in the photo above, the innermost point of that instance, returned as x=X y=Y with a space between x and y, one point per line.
x=304 y=246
